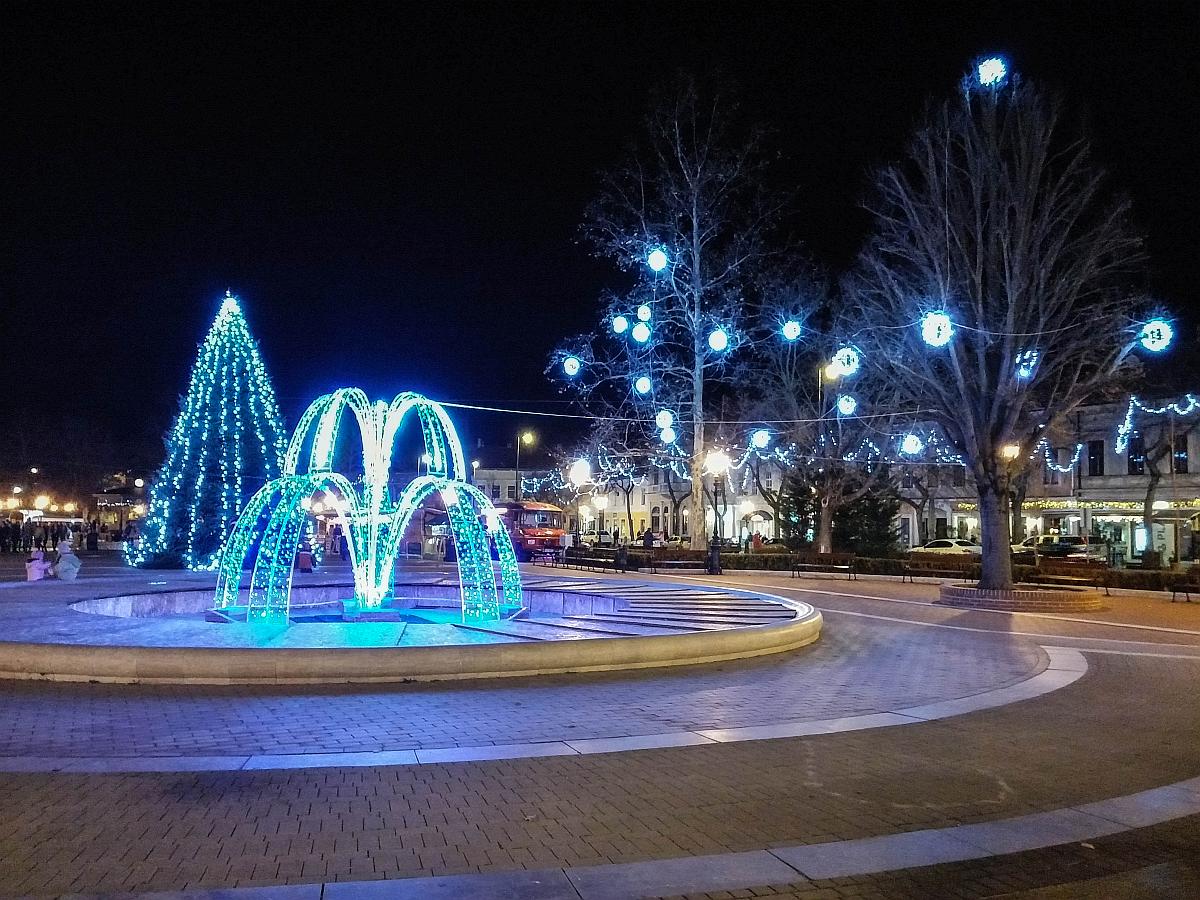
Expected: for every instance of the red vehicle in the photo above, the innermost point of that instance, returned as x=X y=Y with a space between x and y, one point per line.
x=532 y=526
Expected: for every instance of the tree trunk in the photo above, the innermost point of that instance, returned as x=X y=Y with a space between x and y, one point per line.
x=1017 y=530
x=697 y=530
x=993 y=530
x=825 y=528
x=1148 y=506
x=629 y=514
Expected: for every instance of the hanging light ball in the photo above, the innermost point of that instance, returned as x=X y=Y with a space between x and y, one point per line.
x=846 y=405
x=664 y=419
x=912 y=444
x=936 y=329
x=580 y=472
x=1156 y=335
x=643 y=384
x=668 y=435
x=643 y=313
x=1027 y=361
x=844 y=363
x=657 y=260
x=718 y=340
x=992 y=71
x=641 y=332
x=760 y=439
x=791 y=330
x=620 y=324
x=571 y=366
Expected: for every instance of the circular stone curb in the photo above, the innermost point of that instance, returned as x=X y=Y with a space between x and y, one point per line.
x=1059 y=599
x=340 y=665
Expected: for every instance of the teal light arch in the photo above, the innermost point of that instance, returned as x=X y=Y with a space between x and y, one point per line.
x=274 y=519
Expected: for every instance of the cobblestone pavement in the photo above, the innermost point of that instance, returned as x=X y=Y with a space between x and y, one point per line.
x=1129 y=724
x=861 y=666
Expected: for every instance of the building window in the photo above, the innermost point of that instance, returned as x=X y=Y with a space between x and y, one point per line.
x=654 y=475
x=1095 y=459
x=959 y=475
x=1050 y=474
x=495 y=492
x=512 y=492
x=1181 y=454
x=906 y=478
x=1137 y=455
x=769 y=481
x=655 y=519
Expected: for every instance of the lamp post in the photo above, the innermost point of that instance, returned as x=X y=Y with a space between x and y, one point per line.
x=523 y=437
x=474 y=471
x=717 y=463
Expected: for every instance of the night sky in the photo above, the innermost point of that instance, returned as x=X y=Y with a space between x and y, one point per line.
x=395 y=191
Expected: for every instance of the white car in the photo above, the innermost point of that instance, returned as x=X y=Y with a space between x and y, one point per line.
x=949 y=545
x=594 y=538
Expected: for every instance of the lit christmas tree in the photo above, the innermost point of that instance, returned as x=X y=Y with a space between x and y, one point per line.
x=227 y=441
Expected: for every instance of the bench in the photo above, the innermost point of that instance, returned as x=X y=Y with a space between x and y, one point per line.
x=548 y=556
x=1186 y=584
x=823 y=562
x=593 y=558
x=1086 y=572
x=939 y=565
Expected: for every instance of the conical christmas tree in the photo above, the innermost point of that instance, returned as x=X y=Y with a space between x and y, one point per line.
x=227 y=441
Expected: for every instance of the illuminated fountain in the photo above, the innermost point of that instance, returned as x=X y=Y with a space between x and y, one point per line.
x=276 y=518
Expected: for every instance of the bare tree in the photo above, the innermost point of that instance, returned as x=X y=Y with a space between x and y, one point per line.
x=693 y=194
x=998 y=219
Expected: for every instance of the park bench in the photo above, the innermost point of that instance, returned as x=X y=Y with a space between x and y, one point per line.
x=1086 y=572
x=1187 y=584
x=823 y=562
x=594 y=558
x=939 y=565
x=548 y=556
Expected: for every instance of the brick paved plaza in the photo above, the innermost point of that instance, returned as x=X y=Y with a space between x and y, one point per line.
x=577 y=824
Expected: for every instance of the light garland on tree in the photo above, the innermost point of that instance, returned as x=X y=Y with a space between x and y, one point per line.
x=227 y=438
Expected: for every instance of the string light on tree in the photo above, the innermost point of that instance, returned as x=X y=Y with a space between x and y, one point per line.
x=640 y=332
x=791 y=330
x=657 y=260
x=572 y=365
x=718 y=340
x=912 y=445
x=227 y=441
x=620 y=324
x=846 y=405
x=936 y=329
x=1156 y=335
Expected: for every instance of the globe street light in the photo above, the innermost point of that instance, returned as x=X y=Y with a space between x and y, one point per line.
x=527 y=438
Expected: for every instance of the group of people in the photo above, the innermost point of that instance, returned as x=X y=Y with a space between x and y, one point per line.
x=24 y=537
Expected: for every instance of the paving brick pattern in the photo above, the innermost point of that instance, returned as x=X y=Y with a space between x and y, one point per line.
x=861 y=666
x=1129 y=725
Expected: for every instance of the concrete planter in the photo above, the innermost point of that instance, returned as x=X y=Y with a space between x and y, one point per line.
x=1022 y=599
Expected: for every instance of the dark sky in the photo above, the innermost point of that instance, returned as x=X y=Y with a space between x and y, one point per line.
x=394 y=190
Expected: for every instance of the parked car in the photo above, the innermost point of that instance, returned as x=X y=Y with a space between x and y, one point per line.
x=594 y=538
x=1071 y=546
x=948 y=545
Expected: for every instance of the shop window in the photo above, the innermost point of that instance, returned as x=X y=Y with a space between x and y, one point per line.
x=1137 y=455
x=1095 y=458
x=1181 y=454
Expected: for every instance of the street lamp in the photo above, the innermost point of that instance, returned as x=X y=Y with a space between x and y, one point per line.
x=527 y=438
x=1010 y=451
x=474 y=470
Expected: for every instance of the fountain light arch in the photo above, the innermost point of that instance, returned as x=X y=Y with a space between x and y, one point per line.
x=273 y=521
